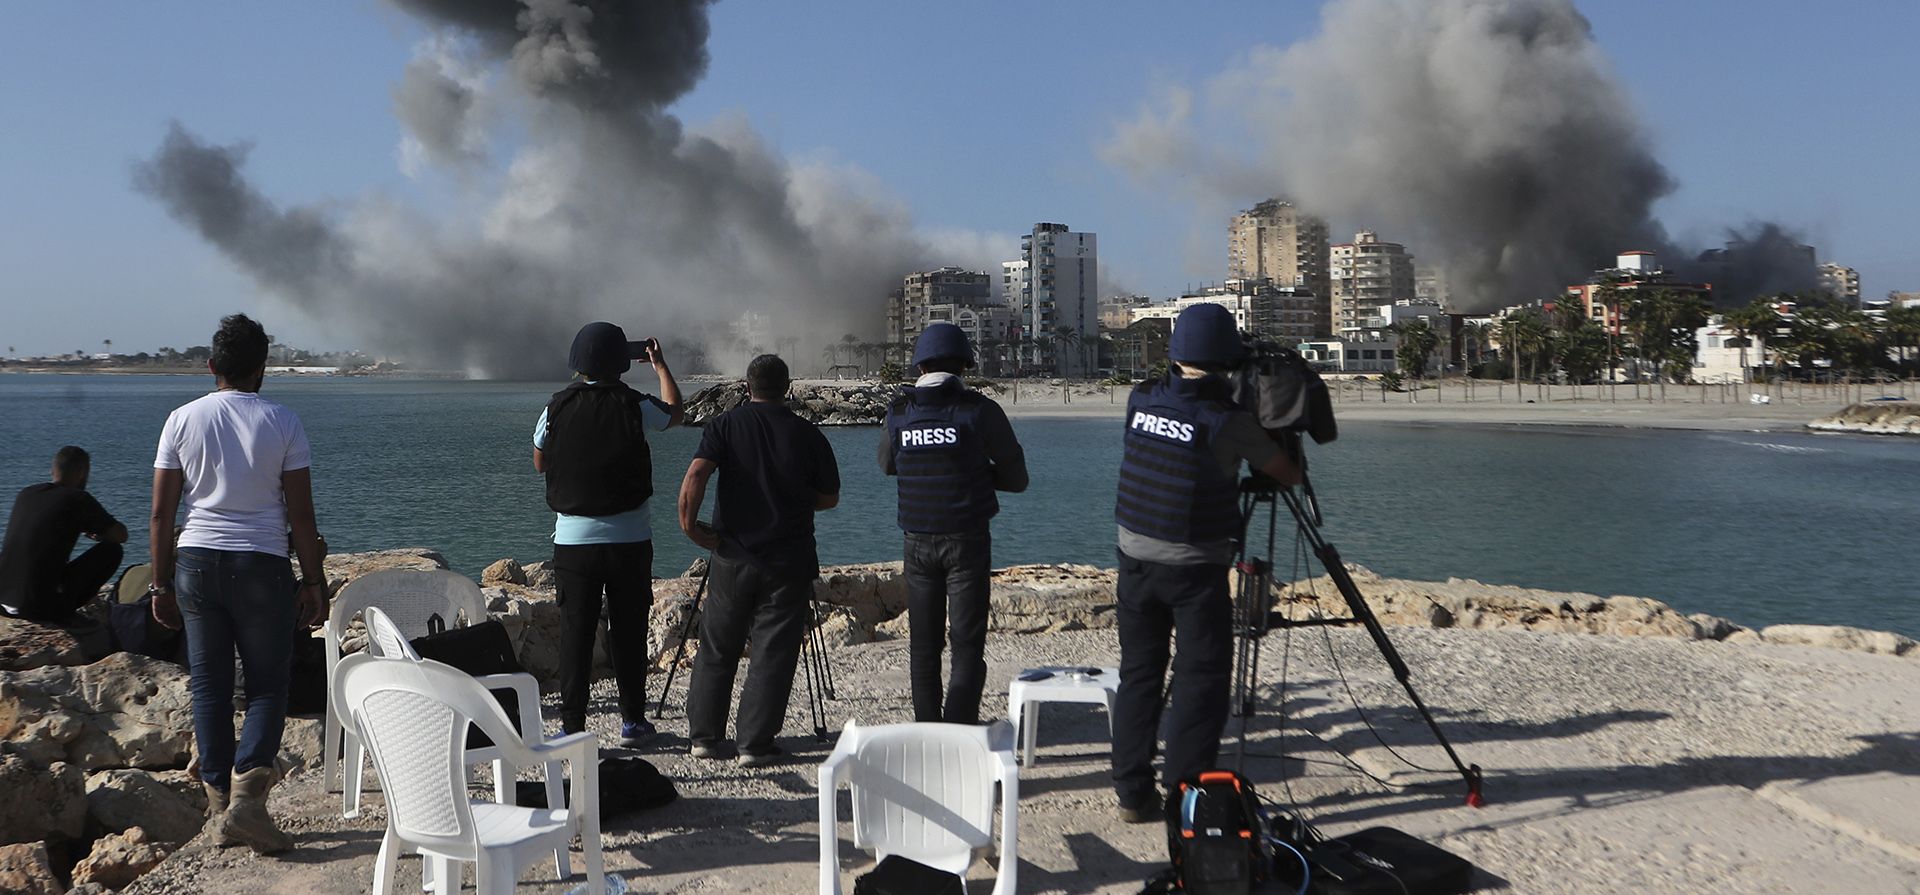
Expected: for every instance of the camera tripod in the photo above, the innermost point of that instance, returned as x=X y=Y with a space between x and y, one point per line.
x=1255 y=615
x=813 y=659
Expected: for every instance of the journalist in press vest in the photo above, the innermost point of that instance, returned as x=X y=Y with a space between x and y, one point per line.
x=1178 y=515
x=950 y=448
x=591 y=444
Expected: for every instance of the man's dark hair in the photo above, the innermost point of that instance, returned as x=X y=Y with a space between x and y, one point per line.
x=70 y=462
x=767 y=377
x=954 y=365
x=239 y=348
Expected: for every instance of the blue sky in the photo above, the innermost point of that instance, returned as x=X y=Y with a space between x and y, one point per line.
x=977 y=116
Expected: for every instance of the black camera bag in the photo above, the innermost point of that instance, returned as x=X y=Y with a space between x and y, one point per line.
x=478 y=649
x=1214 y=835
x=1379 y=861
x=897 y=875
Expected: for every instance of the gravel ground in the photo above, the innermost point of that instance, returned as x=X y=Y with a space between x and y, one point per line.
x=1612 y=764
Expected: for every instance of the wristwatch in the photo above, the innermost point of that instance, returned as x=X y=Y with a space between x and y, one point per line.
x=155 y=588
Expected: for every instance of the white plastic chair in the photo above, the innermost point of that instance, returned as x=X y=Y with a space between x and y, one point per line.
x=923 y=791
x=385 y=641
x=413 y=716
x=409 y=599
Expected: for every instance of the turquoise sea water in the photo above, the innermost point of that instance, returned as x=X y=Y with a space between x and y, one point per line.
x=1761 y=528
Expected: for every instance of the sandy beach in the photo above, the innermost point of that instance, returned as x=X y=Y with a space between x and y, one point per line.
x=1715 y=408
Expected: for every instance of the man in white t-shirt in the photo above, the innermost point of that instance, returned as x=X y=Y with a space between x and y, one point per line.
x=239 y=465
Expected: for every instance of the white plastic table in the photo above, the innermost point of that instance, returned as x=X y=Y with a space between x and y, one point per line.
x=1024 y=699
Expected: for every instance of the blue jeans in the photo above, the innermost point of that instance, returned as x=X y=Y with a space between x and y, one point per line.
x=236 y=602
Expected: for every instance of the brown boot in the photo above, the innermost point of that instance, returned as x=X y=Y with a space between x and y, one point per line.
x=245 y=821
x=216 y=812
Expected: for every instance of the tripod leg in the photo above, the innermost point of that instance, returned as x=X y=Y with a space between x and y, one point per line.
x=811 y=659
x=680 y=649
x=820 y=646
x=1337 y=570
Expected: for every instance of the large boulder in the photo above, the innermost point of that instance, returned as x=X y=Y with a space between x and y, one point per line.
x=41 y=801
x=119 y=859
x=28 y=644
x=872 y=593
x=504 y=571
x=1039 y=598
x=124 y=798
x=1884 y=643
x=539 y=574
x=26 y=869
x=342 y=568
x=122 y=711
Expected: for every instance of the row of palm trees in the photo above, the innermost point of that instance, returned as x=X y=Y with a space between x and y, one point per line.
x=997 y=357
x=1657 y=337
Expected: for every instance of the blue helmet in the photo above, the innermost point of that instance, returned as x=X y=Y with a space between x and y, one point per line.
x=1205 y=335
x=939 y=341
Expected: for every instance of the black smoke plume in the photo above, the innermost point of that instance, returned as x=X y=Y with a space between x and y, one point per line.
x=1491 y=136
x=609 y=209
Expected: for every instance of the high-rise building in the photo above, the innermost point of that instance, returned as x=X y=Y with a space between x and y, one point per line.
x=1841 y=282
x=1430 y=286
x=1285 y=314
x=1278 y=242
x=1057 y=302
x=1367 y=273
x=949 y=288
x=1116 y=311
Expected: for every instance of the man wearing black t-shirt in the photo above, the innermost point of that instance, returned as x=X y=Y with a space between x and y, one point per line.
x=36 y=579
x=776 y=470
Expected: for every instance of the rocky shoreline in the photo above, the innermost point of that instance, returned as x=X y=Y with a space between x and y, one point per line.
x=94 y=748
x=1874 y=418
x=854 y=404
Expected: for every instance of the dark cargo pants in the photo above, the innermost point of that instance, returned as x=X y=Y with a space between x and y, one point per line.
x=582 y=574
x=1193 y=604
x=744 y=601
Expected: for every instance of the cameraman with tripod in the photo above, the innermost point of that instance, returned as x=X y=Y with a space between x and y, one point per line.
x=1178 y=513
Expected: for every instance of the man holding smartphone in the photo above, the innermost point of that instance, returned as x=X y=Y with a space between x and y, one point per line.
x=591 y=443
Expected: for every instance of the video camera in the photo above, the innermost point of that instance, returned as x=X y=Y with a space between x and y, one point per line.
x=1284 y=393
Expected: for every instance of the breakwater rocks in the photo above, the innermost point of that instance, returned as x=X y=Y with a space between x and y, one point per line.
x=867 y=602
x=854 y=404
x=1873 y=418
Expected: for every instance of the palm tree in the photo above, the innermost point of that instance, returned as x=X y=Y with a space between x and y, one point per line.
x=1418 y=339
x=1609 y=297
x=1665 y=327
x=848 y=341
x=1758 y=319
x=1063 y=339
x=990 y=356
x=1901 y=329
x=1523 y=333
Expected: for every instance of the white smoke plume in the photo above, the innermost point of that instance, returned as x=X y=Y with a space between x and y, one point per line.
x=1489 y=135
x=609 y=208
